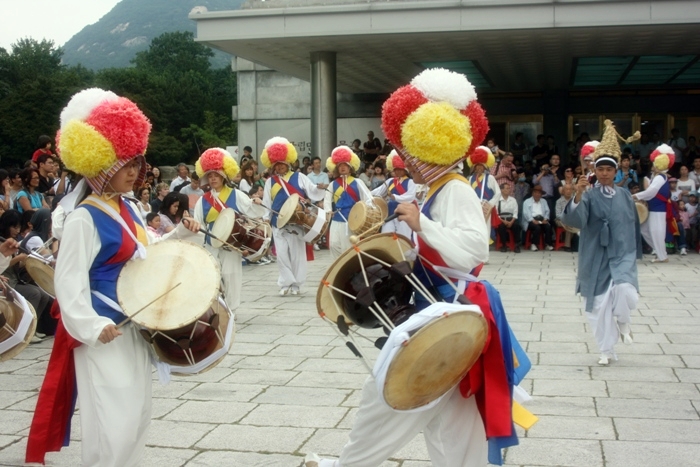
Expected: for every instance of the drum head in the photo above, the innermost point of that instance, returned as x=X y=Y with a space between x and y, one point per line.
x=42 y=274
x=383 y=246
x=168 y=264
x=288 y=209
x=13 y=314
x=642 y=211
x=223 y=226
x=357 y=216
x=434 y=359
x=568 y=228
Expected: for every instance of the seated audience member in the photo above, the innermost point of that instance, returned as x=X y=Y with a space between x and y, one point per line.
x=507 y=208
x=536 y=219
x=161 y=191
x=193 y=191
x=625 y=175
x=171 y=212
x=567 y=192
x=29 y=198
x=685 y=239
x=153 y=223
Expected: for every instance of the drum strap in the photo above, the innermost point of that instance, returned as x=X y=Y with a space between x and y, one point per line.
x=288 y=187
x=345 y=185
x=397 y=185
x=140 y=249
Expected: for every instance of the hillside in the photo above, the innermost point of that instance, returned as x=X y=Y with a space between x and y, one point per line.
x=129 y=28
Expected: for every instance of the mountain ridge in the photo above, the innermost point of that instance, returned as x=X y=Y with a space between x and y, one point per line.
x=129 y=28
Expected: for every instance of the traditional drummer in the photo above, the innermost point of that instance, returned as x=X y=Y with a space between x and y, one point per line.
x=279 y=155
x=342 y=194
x=398 y=189
x=218 y=167
x=103 y=138
x=439 y=105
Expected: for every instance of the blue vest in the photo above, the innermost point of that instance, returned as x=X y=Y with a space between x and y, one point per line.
x=281 y=196
x=341 y=208
x=103 y=272
x=206 y=207
x=393 y=203
x=488 y=192
x=655 y=204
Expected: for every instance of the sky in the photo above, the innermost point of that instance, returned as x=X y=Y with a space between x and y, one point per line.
x=57 y=20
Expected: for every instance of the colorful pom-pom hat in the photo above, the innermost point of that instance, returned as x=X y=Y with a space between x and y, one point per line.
x=435 y=122
x=481 y=155
x=101 y=133
x=278 y=149
x=394 y=161
x=343 y=155
x=219 y=161
x=588 y=149
x=663 y=158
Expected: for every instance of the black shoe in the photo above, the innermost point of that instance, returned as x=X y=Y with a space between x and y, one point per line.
x=504 y=249
x=517 y=249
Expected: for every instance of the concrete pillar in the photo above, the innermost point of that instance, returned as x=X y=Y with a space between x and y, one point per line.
x=324 y=127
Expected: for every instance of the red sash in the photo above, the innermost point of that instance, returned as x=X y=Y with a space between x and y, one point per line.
x=398 y=186
x=50 y=425
x=348 y=189
x=671 y=224
x=215 y=202
x=288 y=186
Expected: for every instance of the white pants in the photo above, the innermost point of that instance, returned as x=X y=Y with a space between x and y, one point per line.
x=453 y=431
x=340 y=238
x=231 y=274
x=610 y=309
x=654 y=233
x=291 y=258
x=400 y=227
x=114 y=392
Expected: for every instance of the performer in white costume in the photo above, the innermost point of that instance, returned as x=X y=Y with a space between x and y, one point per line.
x=398 y=189
x=608 y=250
x=658 y=198
x=103 y=138
x=450 y=231
x=279 y=154
x=342 y=194
x=217 y=167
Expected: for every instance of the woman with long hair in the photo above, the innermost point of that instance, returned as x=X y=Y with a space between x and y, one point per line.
x=29 y=198
x=143 y=195
x=378 y=177
x=247 y=177
x=171 y=212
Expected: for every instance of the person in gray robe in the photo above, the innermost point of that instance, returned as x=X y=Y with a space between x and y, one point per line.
x=610 y=244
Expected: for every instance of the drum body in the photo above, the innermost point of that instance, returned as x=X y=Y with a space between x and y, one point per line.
x=366 y=219
x=17 y=323
x=189 y=326
x=311 y=219
x=42 y=273
x=428 y=352
x=642 y=211
x=243 y=233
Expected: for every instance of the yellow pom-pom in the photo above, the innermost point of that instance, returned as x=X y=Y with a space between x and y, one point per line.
x=265 y=159
x=662 y=162
x=198 y=169
x=230 y=167
x=291 y=154
x=84 y=150
x=437 y=133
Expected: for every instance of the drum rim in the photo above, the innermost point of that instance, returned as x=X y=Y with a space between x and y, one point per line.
x=323 y=292
x=35 y=264
x=403 y=355
x=639 y=204
x=225 y=217
x=184 y=245
x=16 y=350
x=283 y=217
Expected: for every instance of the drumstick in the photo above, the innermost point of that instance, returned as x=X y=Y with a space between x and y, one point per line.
x=356 y=238
x=149 y=304
x=27 y=252
x=206 y=232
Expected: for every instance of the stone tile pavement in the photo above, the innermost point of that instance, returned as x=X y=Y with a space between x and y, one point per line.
x=289 y=386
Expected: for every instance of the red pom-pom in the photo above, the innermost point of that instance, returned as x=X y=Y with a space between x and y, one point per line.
x=402 y=103
x=397 y=162
x=277 y=153
x=664 y=150
x=212 y=159
x=341 y=155
x=123 y=124
x=587 y=149
x=480 y=155
x=479 y=124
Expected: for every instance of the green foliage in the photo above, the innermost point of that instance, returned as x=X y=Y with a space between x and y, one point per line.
x=188 y=103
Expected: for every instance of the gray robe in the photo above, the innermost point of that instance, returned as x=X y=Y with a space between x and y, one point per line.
x=610 y=241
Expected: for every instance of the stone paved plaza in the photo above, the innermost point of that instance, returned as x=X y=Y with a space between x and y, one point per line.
x=289 y=386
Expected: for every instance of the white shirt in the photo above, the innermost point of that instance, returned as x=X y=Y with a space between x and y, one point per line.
x=178 y=181
x=320 y=178
x=509 y=204
x=537 y=209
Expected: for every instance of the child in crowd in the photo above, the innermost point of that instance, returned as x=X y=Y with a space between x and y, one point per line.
x=685 y=225
x=153 y=223
x=256 y=192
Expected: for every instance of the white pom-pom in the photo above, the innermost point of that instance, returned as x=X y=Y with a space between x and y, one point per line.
x=82 y=104
x=594 y=144
x=665 y=149
x=276 y=140
x=440 y=85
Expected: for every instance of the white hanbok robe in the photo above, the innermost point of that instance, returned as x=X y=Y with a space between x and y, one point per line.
x=396 y=225
x=339 y=230
x=654 y=229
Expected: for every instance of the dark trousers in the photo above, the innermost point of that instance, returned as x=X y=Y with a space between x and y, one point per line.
x=503 y=233
x=537 y=229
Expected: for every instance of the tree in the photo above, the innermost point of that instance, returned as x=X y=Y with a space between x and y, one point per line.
x=174 y=52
